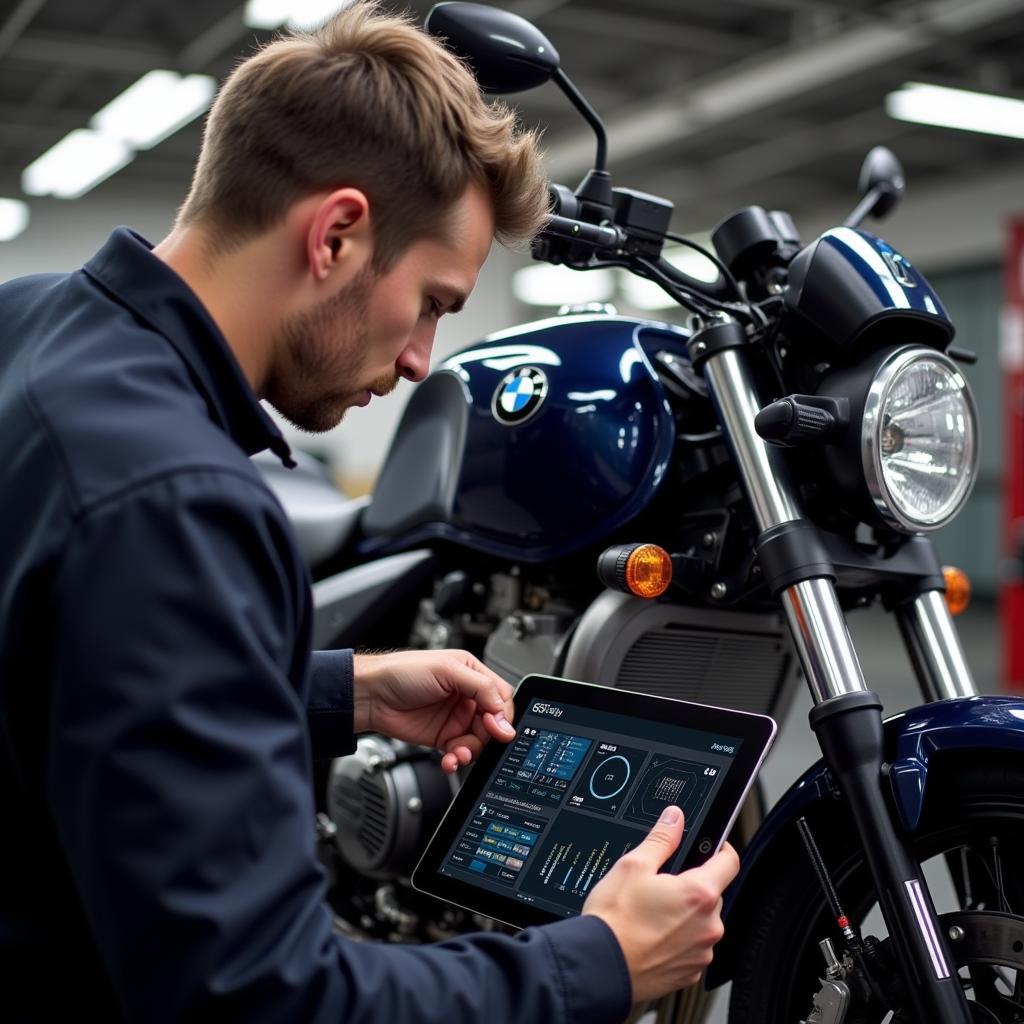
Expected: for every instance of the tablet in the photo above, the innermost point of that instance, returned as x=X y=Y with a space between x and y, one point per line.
x=540 y=820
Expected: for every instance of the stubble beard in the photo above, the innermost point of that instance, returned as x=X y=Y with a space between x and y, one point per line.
x=326 y=344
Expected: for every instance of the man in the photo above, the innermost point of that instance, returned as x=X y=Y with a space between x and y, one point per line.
x=161 y=709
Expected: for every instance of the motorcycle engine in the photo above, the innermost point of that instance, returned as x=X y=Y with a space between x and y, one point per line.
x=385 y=800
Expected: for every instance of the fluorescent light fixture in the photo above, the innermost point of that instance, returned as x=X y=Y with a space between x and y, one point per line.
x=545 y=285
x=79 y=162
x=957 y=108
x=156 y=106
x=300 y=14
x=13 y=218
x=646 y=295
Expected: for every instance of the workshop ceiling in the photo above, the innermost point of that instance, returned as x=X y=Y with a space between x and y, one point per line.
x=715 y=104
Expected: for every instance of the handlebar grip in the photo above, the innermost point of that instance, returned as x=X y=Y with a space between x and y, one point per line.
x=601 y=236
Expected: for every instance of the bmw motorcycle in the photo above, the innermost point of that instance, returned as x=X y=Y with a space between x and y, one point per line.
x=783 y=458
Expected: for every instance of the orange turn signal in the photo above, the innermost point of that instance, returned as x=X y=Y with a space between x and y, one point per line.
x=644 y=570
x=958 y=589
x=648 y=571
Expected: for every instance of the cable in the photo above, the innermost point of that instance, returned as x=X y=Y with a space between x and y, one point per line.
x=707 y=254
x=655 y=273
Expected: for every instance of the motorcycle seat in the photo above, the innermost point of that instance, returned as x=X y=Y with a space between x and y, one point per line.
x=324 y=519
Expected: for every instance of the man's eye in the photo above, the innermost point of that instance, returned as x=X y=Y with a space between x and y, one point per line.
x=433 y=308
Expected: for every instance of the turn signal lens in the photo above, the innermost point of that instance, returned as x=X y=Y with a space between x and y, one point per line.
x=958 y=589
x=648 y=571
x=641 y=569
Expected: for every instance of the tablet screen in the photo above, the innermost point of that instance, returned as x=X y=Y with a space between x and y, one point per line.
x=577 y=789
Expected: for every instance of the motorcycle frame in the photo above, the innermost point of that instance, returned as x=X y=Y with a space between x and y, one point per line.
x=847 y=715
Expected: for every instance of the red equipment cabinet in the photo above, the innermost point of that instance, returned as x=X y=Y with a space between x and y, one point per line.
x=1011 y=359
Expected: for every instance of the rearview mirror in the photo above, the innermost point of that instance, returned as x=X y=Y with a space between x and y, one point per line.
x=882 y=172
x=507 y=53
x=881 y=185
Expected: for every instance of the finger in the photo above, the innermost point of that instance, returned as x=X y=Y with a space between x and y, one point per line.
x=720 y=869
x=465 y=748
x=662 y=841
x=477 y=681
x=449 y=763
x=499 y=727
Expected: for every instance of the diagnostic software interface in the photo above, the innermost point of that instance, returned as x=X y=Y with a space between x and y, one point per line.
x=576 y=790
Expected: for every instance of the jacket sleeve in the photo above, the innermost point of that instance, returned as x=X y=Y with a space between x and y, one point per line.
x=329 y=706
x=178 y=777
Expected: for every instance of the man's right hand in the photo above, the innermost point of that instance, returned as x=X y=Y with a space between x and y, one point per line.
x=666 y=924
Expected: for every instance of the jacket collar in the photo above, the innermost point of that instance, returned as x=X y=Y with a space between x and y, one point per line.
x=127 y=268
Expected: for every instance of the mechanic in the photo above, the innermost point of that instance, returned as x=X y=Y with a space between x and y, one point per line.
x=161 y=708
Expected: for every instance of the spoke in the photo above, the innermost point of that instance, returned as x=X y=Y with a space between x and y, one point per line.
x=998 y=865
x=965 y=878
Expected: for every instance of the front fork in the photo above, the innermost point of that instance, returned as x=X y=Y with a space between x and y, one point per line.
x=847 y=715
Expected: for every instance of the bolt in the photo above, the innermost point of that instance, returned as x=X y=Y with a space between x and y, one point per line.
x=325 y=828
x=708 y=539
x=415 y=804
x=718 y=591
x=700 y=348
x=956 y=933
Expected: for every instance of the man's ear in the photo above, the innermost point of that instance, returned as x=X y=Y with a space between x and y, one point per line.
x=339 y=235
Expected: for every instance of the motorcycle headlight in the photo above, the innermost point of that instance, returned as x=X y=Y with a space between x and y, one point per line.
x=919 y=440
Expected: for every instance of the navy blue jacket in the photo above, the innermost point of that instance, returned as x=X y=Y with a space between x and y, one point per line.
x=161 y=709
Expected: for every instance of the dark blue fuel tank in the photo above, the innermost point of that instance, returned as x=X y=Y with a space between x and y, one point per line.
x=531 y=445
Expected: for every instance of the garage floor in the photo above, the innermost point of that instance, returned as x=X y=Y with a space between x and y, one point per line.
x=888 y=672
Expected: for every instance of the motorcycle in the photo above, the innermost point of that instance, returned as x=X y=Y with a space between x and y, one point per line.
x=784 y=458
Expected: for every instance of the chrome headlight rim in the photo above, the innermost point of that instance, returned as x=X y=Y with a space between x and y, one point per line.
x=871 y=457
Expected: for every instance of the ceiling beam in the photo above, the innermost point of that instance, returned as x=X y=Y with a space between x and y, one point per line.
x=88 y=52
x=17 y=21
x=789 y=72
x=662 y=32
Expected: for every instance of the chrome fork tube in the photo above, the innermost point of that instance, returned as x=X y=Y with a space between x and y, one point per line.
x=934 y=648
x=812 y=609
x=762 y=467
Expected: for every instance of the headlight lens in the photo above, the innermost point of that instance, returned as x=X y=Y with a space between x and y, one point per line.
x=919 y=440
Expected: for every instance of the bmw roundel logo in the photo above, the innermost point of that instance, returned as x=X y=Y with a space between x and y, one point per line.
x=519 y=395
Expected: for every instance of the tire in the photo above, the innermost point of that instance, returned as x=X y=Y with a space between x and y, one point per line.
x=971 y=797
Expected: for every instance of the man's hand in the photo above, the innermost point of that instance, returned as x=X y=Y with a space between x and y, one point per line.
x=443 y=699
x=665 y=924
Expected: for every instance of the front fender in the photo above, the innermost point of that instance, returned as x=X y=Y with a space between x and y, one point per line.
x=911 y=739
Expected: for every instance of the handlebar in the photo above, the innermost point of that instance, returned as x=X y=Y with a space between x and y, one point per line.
x=611 y=243
x=601 y=236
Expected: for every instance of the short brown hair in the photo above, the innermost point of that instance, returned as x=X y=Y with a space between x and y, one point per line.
x=368 y=100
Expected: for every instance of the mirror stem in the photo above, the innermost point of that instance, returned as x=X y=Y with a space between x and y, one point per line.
x=561 y=79
x=862 y=209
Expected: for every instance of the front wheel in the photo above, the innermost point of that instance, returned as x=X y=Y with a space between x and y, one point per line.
x=971 y=832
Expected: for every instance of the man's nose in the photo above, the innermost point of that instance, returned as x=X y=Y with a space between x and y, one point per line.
x=414 y=361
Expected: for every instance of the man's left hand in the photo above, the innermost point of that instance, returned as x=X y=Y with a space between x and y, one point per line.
x=442 y=699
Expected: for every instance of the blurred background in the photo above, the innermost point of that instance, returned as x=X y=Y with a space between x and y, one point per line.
x=716 y=106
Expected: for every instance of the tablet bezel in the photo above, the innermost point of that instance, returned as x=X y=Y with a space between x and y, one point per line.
x=756 y=732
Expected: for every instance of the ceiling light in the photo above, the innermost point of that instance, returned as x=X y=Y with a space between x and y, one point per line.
x=79 y=162
x=300 y=14
x=558 y=286
x=13 y=218
x=957 y=108
x=156 y=106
